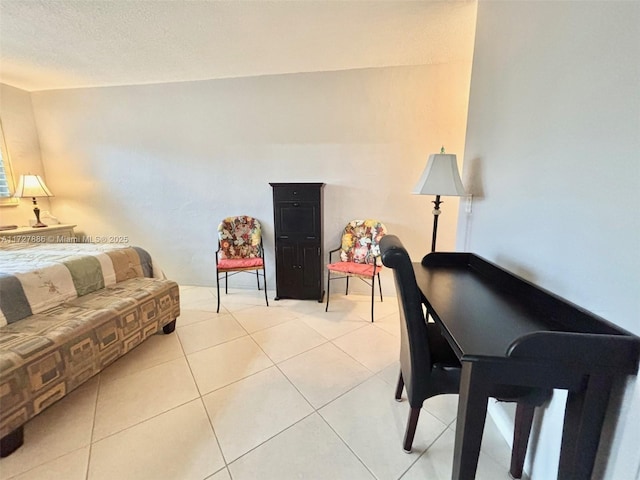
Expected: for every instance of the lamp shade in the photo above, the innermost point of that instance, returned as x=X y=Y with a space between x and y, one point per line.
x=32 y=186
x=440 y=177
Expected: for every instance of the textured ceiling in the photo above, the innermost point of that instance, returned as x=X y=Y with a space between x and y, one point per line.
x=52 y=44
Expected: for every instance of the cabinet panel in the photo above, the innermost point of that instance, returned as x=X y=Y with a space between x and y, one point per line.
x=311 y=266
x=296 y=192
x=287 y=272
x=299 y=220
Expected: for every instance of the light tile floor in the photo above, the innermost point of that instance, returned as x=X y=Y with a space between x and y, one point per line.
x=254 y=392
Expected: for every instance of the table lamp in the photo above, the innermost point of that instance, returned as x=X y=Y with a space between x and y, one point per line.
x=440 y=177
x=33 y=186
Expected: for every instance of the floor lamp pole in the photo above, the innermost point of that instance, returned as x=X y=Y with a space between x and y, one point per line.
x=436 y=214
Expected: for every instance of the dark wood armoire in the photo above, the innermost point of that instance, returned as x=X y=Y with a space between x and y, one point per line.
x=297 y=212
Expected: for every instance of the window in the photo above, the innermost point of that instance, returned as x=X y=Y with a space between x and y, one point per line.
x=6 y=175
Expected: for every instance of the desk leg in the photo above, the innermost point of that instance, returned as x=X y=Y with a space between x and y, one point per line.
x=583 y=419
x=472 y=412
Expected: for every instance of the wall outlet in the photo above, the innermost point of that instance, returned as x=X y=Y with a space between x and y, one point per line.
x=468 y=205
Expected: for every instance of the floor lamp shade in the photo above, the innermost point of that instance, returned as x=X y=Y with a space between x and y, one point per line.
x=440 y=177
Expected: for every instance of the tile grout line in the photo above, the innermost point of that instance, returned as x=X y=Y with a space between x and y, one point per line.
x=277 y=366
x=200 y=397
x=183 y=355
x=314 y=410
x=93 y=424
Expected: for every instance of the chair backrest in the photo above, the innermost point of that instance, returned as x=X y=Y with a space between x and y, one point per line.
x=240 y=237
x=415 y=357
x=361 y=241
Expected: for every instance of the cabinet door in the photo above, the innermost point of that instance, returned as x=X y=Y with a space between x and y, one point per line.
x=311 y=266
x=298 y=220
x=288 y=273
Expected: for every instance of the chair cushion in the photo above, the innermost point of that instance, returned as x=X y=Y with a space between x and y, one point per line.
x=239 y=263
x=240 y=237
x=360 y=240
x=354 y=268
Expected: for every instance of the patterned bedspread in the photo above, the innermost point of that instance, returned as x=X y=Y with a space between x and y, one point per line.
x=37 y=276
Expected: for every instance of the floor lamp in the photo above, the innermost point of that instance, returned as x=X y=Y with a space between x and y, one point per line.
x=440 y=177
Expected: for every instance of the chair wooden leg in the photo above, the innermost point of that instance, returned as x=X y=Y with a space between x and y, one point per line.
x=380 y=287
x=521 y=431
x=326 y=309
x=226 y=283
x=346 y=292
x=258 y=278
x=400 y=387
x=412 y=423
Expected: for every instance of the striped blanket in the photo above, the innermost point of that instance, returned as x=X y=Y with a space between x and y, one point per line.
x=37 y=276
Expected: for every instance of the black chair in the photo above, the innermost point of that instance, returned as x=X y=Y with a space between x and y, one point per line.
x=428 y=365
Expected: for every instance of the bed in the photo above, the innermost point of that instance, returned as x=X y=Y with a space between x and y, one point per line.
x=66 y=312
x=38 y=276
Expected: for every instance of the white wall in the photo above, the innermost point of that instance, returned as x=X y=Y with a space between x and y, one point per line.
x=21 y=137
x=163 y=164
x=551 y=155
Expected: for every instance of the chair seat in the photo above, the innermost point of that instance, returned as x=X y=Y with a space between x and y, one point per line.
x=239 y=263
x=352 y=268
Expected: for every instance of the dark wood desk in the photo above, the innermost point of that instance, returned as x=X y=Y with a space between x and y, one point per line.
x=506 y=330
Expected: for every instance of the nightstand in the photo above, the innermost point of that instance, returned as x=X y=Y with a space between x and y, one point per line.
x=51 y=234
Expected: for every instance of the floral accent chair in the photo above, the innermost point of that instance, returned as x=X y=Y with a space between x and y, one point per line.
x=359 y=256
x=240 y=250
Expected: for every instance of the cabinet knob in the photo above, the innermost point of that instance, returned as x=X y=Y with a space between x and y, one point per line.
x=296 y=204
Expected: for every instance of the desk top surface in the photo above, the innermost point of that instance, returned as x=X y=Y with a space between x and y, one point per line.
x=489 y=312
